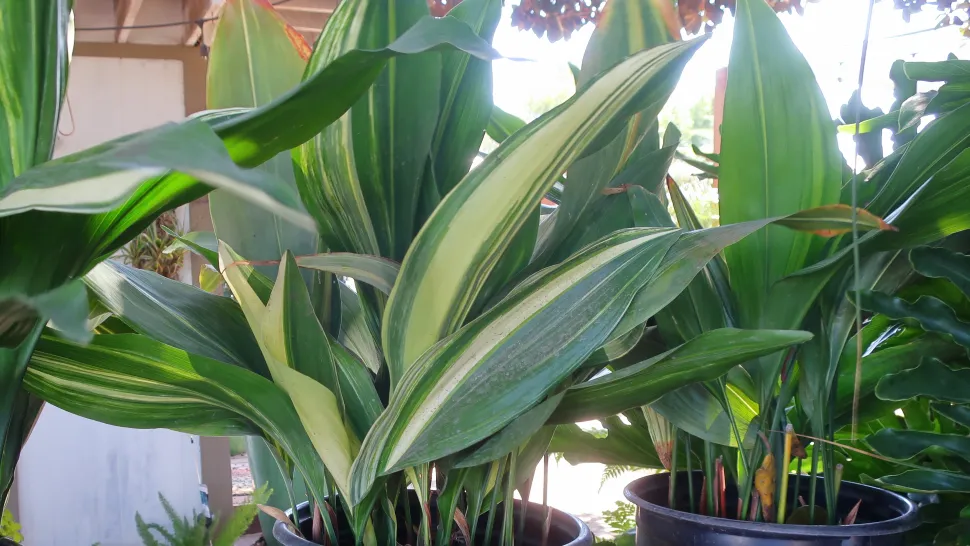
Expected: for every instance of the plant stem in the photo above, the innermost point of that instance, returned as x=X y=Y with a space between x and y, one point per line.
x=499 y=478
x=508 y=521
x=709 y=476
x=690 y=474
x=813 y=484
x=798 y=485
x=672 y=488
x=546 y=515
x=785 y=462
x=408 y=521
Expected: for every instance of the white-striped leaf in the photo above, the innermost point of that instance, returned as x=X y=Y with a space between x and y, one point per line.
x=132 y=381
x=498 y=366
x=373 y=270
x=456 y=250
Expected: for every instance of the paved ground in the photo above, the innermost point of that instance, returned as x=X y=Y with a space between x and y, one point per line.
x=573 y=489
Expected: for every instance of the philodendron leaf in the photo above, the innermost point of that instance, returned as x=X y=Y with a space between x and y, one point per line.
x=504 y=362
x=932 y=379
x=942 y=263
x=923 y=481
x=932 y=314
x=703 y=358
x=697 y=411
x=958 y=414
x=502 y=124
x=132 y=381
x=906 y=444
x=103 y=177
x=453 y=255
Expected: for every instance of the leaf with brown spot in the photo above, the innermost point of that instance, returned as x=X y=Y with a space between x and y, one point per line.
x=279 y=515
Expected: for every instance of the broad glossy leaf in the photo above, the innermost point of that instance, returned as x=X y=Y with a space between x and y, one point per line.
x=457 y=248
x=956 y=413
x=703 y=358
x=177 y=314
x=103 y=177
x=132 y=381
x=932 y=314
x=906 y=444
x=378 y=272
x=924 y=481
x=504 y=362
x=760 y=175
x=932 y=379
x=466 y=98
x=943 y=263
x=346 y=75
x=517 y=433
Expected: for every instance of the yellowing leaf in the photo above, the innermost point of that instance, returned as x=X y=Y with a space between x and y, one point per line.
x=764 y=482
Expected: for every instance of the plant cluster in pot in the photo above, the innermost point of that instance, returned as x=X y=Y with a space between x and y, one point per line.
x=734 y=446
x=473 y=324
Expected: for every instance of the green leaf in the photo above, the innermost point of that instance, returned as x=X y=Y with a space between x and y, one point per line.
x=703 y=358
x=177 y=314
x=501 y=125
x=256 y=58
x=760 y=175
x=18 y=410
x=931 y=379
x=356 y=331
x=343 y=78
x=103 y=177
x=624 y=444
x=958 y=414
x=626 y=27
x=65 y=308
x=378 y=272
x=34 y=54
x=933 y=148
x=132 y=381
x=517 y=433
x=924 y=481
x=830 y=220
x=939 y=71
x=941 y=263
x=932 y=314
x=906 y=444
x=697 y=411
x=203 y=243
x=511 y=356
x=466 y=98
x=456 y=250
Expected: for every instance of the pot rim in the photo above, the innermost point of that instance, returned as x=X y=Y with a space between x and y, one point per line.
x=583 y=535
x=904 y=522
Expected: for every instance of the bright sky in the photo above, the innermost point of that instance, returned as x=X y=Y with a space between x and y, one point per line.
x=830 y=35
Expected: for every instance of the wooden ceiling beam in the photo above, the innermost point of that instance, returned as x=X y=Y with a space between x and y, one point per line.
x=126 y=12
x=195 y=10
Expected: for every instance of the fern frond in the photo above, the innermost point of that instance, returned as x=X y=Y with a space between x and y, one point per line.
x=614 y=471
x=236 y=525
x=144 y=532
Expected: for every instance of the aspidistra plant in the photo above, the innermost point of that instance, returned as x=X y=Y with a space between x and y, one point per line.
x=59 y=218
x=464 y=333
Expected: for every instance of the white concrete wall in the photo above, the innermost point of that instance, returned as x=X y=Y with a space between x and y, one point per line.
x=80 y=482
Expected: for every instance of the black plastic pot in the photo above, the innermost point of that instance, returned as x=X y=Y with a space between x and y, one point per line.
x=882 y=520
x=566 y=529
